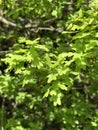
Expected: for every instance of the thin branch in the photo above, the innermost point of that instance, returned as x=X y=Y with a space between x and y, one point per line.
x=59 y=30
x=49 y=20
x=34 y=27
x=46 y=28
x=83 y=3
x=5 y=21
x=2 y=115
x=4 y=52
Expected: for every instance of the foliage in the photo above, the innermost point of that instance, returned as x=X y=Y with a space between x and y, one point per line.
x=49 y=74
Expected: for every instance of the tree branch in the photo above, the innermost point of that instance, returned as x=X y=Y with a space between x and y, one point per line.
x=5 y=21
x=4 y=52
x=31 y=26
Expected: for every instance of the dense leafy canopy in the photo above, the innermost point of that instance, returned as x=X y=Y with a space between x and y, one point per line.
x=49 y=65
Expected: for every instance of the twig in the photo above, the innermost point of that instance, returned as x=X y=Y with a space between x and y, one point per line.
x=5 y=21
x=4 y=52
x=59 y=30
x=2 y=115
x=33 y=27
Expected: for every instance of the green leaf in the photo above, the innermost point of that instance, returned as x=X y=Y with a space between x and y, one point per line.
x=42 y=47
x=54 y=13
x=58 y=100
x=53 y=92
x=62 y=86
x=47 y=93
x=96 y=35
x=81 y=35
x=80 y=13
x=94 y=124
x=51 y=77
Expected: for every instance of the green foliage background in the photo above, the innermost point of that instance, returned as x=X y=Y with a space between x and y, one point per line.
x=49 y=65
